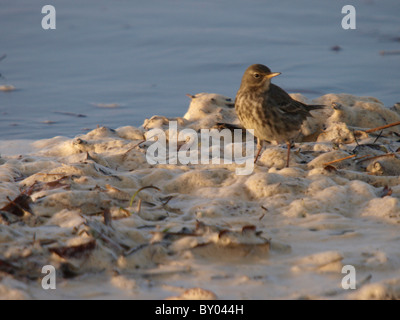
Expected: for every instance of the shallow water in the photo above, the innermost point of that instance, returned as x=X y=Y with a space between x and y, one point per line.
x=145 y=56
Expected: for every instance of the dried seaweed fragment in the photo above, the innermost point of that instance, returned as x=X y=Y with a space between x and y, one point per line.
x=77 y=251
x=233 y=245
x=385 y=192
x=7 y=267
x=19 y=205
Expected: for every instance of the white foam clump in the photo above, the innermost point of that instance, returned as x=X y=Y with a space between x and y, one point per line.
x=208 y=109
x=191 y=224
x=11 y=289
x=383 y=290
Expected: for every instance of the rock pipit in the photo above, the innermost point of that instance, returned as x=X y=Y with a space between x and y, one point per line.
x=268 y=109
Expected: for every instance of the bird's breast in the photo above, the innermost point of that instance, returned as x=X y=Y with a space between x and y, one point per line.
x=268 y=123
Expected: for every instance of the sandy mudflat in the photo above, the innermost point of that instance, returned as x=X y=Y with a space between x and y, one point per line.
x=276 y=233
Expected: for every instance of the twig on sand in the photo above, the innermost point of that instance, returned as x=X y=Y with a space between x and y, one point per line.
x=363 y=157
x=139 y=206
x=377 y=157
x=339 y=160
x=379 y=135
x=382 y=127
x=137 y=192
x=107 y=217
x=129 y=150
x=360 y=159
x=135 y=249
x=355 y=138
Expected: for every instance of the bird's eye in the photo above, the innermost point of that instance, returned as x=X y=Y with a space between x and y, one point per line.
x=256 y=75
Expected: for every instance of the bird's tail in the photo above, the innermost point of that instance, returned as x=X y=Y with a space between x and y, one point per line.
x=315 y=106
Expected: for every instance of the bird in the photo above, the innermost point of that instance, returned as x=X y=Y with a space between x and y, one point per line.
x=268 y=109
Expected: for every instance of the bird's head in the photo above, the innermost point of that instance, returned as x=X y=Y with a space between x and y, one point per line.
x=258 y=76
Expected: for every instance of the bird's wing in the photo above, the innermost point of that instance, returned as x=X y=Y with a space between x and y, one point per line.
x=288 y=105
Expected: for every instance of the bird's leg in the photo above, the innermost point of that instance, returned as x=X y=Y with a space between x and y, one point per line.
x=289 y=145
x=259 y=145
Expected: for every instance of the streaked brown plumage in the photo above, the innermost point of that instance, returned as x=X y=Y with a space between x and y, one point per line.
x=268 y=109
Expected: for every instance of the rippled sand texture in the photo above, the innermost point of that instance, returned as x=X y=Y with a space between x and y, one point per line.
x=201 y=231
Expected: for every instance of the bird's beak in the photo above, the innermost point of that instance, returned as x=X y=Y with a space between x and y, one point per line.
x=273 y=74
x=191 y=96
